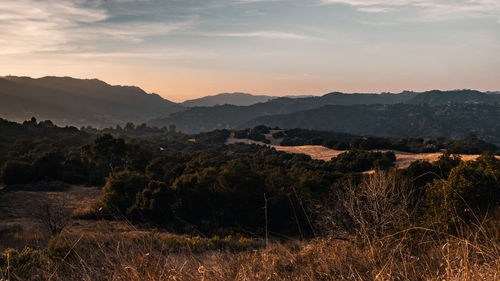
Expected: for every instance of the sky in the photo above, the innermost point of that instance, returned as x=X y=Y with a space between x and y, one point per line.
x=184 y=49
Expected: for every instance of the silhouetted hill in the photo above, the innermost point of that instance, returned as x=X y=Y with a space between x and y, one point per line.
x=229 y=116
x=242 y=99
x=449 y=121
x=462 y=96
x=70 y=101
x=201 y=119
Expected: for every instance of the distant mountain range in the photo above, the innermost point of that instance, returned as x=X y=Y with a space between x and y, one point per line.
x=452 y=121
x=241 y=99
x=450 y=114
x=70 y=101
x=228 y=116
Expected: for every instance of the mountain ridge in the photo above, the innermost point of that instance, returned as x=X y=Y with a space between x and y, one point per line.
x=236 y=98
x=79 y=102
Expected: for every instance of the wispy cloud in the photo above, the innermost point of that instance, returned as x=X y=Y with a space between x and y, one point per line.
x=374 y=9
x=267 y=34
x=429 y=10
x=28 y=26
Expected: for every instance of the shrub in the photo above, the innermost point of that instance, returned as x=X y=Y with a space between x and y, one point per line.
x=54 y=215
x=375 y=207
x=120 y=190
x=59 y=249
x=471 y=190
x=17 y=172
x=242 y=134
x=278 y=135
x=154 y=203
x=28 y=264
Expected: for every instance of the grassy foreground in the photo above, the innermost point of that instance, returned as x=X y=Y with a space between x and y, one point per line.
x=414 y=254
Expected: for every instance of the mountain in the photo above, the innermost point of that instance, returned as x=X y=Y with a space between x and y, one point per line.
x=228 y=98
x=411 y=120
x=202 y=119
x=199 y=119
x=79 y=102
x=434 y=98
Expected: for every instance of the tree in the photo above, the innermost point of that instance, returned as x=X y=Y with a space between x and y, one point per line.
x=54 y=215
x=110 y=152
x=49 y=165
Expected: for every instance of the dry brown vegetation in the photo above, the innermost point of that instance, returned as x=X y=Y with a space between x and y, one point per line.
x=382 y=245
x=402 y=258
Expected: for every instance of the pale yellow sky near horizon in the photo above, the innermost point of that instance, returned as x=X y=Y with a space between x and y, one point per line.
x=179 y=88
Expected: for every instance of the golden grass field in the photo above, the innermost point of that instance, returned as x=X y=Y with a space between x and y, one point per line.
x=403 y=159
x=319 y=152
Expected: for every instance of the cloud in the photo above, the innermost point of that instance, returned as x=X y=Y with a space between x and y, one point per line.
x=428 y=10
x=374 y=9
x=267 y=34
x=29 y=26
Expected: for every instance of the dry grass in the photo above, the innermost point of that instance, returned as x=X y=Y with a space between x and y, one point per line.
x=403 y=159
x=319 y=152
x=375 y=250
x=411 y=256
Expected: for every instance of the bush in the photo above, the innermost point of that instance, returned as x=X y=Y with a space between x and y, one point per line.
x=375 y=207
x=54 y=215
x=359 y=161
x=17 y=172
x=154 y=203
x=26 y=265
x=256 y=136
x=469 y=192
x=49 y=166
x=59 y=249
x=242 y=134
x=278 y=135
x=121 y=189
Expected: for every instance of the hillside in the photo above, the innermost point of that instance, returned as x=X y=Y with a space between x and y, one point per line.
x=242 y=99
x=230 y=116
x=450 y=114
x=449 y=121
x=79 y=102
x=434 y=98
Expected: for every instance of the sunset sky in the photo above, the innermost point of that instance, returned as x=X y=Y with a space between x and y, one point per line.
x=183 y=49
